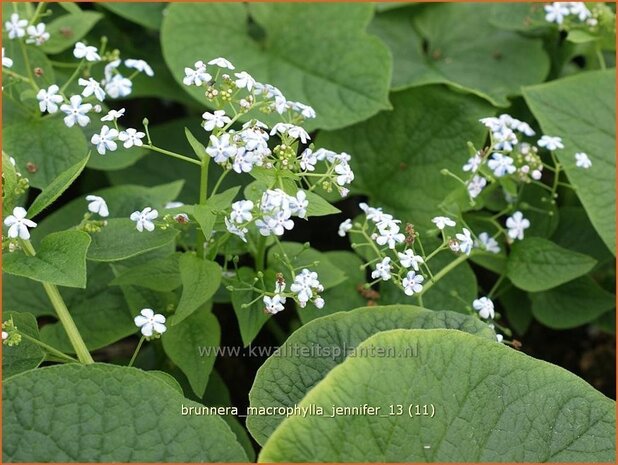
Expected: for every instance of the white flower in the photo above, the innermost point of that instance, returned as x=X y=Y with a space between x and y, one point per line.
x=241 y=211
x=76 y=112
x=220 y=148
x=345 y=227
x=304 y=286
x=37 y=34
x=319 y=302
x=118 y=86
x=409 y=259
x=344 y=172
x=389 y=234
x=233 y=229
x=442 y=221
x=488 y=243
x=298 y=205
x=485 y=307
x=6 y=61
x=473 y=163
x=18 y=224
x=221 y=63
x=382 y=270
x=49 y=99
x=139 y=65
x=556 y=12
x=275 y=224
x=551 y=143
x=274 y=304
x=501 y=165
x=105 y=140
x=218 y=119
x=516 y=225
x=476 y=185
x=97 y=205
x=113 y=115
x=197 y=76
x=245 y=80
x=150 y=322
x=412 y=283
x=5 y=335
x=131 y=137
x=304 y=110
x=16 y=27
x=91 y=86
x=144 y=219
x=88 y=52
x=465 y=241
x=582 y=160
x=291 y=130
x=170 y=205
x=308 y=160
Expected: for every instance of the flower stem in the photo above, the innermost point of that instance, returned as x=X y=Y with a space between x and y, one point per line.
x=219 y=181
x=63 y=314
x=443 y=272
x=172 y=154
x=200 y=239
x=72 y=78
x=50 y=349
x=139 y=346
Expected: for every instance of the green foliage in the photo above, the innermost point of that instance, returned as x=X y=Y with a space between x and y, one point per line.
x=67 y=29
x=457 y=375
x=27 y=354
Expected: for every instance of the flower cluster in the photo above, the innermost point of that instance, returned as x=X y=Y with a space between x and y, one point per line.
x=305 y=288
x=557 y=12
x=10 y=334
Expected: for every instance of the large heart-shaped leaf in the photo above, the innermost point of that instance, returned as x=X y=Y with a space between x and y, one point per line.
x=61 y=259
x=463 y=399
x=124 y=415
x=582 y=110
x=437 y=45
x=425 y=133
x=284 y=380
x=149 y=15
x=345 y=78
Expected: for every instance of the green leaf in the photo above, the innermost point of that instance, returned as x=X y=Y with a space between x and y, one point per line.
x=160 y=274
x=9 y=183
x=205 y=218
x=196 y=145
x=27 y=354
x=518 y=309
x=71 y=7
x=36 y=59
x=60 y=259
x=121 y=200
x=200 y=280
x=454 y=44
x=427 y=130
x=345 y=82
x=47 y=145
x=537 y=264
x=582 y=110
x=149 y=15
x=145 y=413
x=318 y=206
x=192 y=344
x=119 y=240
x=285 y=380
x=573 y=304
x=483 y=400
x=51 y=193
x=514 y=16
x=67 y=29
x=343 y=296
x=300 y=257
x=251 y=318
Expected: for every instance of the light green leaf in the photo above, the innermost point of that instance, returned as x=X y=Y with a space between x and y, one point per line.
x=345 y=295
x=149 y=15
x=192 y=344
x=427 y=131
x=196 y=145
x=119 y=240
x=200 y=280
x=160 y=274
x=518 y=16
x=205 y=218
x=483 y=401
x=283 y=381
x=60 y=259
x=573 y=304
x=345 y=82
x=27 y=354
x=51 y=193
x=582 y=111
x=454 y=43
x=133 y=401
x=67 y=29
x=251 y=318
x=71 y=7
x=300 y=257
x=318 y=206
x=47 y=145
x=537 y=264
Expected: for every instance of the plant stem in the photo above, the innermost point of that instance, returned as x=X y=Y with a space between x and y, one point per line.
x=173 y=154
x=50 y=349
x=72 y=78
x=443 y=272
x=37 y=12
x=203 y=197
x=63 y=314
x=219 y=181
x=139 y=346
x=28 y=66
x=260 y=253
